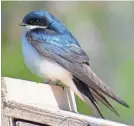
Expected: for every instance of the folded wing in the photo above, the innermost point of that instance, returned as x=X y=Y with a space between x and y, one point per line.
x=75 y=60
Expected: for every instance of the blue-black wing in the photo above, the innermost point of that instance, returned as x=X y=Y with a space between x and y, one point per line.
x=69 y=55
x=51 y=43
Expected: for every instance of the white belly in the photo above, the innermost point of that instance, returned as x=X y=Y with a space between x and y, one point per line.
x=42 y=66
x=46 y=68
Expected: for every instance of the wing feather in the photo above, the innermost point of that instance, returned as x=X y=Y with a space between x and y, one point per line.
x=75 y=60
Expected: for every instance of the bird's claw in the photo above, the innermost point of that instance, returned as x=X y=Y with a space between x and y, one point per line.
x=57 y=83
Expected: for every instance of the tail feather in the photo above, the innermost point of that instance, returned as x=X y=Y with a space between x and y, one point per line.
x=92 y=96
x=94 y=106
x=104 y=101
x=88 y=97
x=101 y=87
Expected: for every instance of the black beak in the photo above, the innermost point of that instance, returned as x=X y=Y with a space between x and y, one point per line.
x=23 y=24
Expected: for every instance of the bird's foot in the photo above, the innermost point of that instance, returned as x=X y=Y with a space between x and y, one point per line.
x=57 y=83
x=48 y=82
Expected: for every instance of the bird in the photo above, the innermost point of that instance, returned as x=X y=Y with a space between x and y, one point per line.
x=51 y=51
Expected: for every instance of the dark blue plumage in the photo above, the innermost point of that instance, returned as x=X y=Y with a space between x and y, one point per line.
x=50 y=42
x=52 y=23
x=60 y=44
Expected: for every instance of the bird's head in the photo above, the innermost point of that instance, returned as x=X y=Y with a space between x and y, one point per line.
x=42 y=19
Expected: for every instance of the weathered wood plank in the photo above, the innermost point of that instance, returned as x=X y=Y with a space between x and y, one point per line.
x=35 y=110
x=22 y=123
x=41 y=95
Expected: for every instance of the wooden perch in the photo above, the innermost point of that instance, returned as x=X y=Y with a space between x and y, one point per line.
x=26 y=103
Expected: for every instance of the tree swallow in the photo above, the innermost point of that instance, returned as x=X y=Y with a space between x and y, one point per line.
x=51 y=51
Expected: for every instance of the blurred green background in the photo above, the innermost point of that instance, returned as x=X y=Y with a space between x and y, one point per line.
x=105 y=30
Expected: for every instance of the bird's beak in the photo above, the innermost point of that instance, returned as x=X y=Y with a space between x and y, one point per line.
x=23 y=24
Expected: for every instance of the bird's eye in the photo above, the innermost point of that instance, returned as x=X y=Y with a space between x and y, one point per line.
x=38 y=21
x=35 y=21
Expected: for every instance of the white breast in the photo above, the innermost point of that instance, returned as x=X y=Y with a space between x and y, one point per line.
x=42 y=66
x=46 y=68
